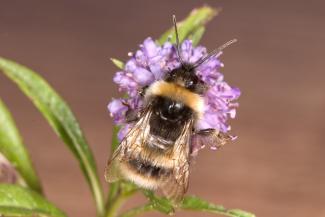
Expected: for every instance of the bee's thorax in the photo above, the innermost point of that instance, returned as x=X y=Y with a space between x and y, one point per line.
x=167 y=120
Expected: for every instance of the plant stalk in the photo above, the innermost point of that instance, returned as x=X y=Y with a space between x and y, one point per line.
x=118 y=201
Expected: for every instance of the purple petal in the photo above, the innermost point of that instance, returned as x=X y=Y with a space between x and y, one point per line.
x=131 y=65
x=125 y=81
x=141 y=58
x=186 y=50
x=143 y=77
x=117 y=109
x=124 y=131
x=232 y=113
x=157 y=69
x=150 y=48
x=167 y=50
x=198 y=53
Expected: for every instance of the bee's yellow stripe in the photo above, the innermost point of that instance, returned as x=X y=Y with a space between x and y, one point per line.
x=178 y=93
x=137 y=178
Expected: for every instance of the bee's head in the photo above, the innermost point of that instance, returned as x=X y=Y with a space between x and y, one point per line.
x=185 y=76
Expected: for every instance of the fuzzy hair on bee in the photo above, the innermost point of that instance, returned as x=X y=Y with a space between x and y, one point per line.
x=155 y=153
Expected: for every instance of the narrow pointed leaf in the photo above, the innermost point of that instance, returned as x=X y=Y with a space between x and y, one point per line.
x=197 y=35
x=118 y=63
x=192 y=203
x=115 y=186
x=22 y=202
x=115 y=141
x=196 y=19
x=12 y=147
x=197 y=204
x=60 y=118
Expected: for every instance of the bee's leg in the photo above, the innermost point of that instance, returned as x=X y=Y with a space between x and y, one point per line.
x=202 y=138
x=214 y=138
x=132 y=115
x=207 y=132
x=216 y=133
x=142 y=91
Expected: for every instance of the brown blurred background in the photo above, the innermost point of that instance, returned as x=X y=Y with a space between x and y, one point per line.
x=275 y=168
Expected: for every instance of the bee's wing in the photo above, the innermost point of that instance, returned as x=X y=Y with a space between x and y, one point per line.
x=131 y=145
x=175 y=186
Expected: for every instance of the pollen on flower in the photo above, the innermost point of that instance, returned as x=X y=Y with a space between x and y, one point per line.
x=151 y=63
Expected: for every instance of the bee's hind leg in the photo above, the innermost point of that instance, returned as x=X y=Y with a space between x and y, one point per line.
x=210 y=137
x=207 y=132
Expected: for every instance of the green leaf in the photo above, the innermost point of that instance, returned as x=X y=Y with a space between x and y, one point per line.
x=19 y=201
x=115 y=141
x=61 y=119
x=197 y=204
x=197 y=35
x=115 y=186
x=190 y=203
x=118 y=63
x=196 y=19
x=12 y=147
x=240 y=213
x=161 y=204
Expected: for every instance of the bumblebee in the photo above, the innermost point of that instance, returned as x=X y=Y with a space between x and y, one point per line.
x=155 y=153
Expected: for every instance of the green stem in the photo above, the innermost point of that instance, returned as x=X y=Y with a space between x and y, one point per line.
x=115 y=206
x=138 y=210
x=113 y=191
x=99 y=199
x=118 y=201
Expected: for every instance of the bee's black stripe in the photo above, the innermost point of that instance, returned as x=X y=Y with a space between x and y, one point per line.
x=147 y=169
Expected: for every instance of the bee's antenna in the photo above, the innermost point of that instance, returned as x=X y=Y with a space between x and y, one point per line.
x=177 y=41
x=214 y=53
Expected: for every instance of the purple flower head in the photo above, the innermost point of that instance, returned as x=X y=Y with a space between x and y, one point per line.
x=151 y=63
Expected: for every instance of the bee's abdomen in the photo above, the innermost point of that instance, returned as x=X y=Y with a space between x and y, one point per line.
x=147 y=169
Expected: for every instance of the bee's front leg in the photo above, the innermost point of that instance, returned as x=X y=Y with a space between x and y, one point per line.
x=142 y=91
x=132 y=115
